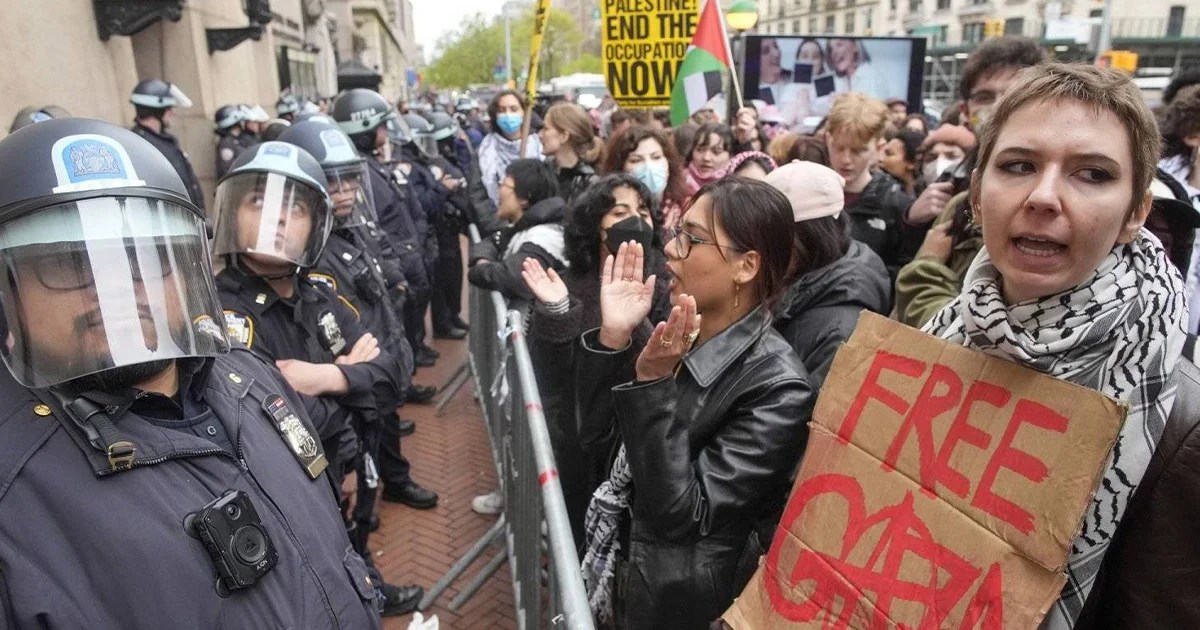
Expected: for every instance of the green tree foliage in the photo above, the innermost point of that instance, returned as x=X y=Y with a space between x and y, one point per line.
x=469 y=54
x=586 y=62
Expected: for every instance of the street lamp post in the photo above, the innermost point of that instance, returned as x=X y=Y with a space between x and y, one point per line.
x=509 y=10
x=741 y=16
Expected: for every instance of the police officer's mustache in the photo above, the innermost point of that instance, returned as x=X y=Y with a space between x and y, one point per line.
x=95 y=318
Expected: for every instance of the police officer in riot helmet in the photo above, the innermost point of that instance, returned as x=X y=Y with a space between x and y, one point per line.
x=350 y=266
x=273 y=217
x=369 y=120
x=287 y=107
x=413 y=159
x=448 y=147
x=229 y=125
x=154 y=102
x=153 y=474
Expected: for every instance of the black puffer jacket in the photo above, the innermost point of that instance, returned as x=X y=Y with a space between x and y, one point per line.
x=496 y=261
x=876 y=219
x=711 y=452
x=819 y=311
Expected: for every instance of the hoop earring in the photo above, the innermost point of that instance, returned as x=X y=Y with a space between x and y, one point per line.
x=737 y=299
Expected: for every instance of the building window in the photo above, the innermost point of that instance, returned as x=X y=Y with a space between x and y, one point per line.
x=972 y=32
x=868 y=22
x=914 y=6
x=943 y=5
x=812 y=26
x=1014 y=26
x=830 y=5
x=813 y=8
x=1096 y=13
x=829 y=26
x=1175 y=22
x=795 y=27
x=892 y=5
x=848 y=23
x=940 y=35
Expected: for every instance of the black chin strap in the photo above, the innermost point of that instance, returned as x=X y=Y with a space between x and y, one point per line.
x=296 y=271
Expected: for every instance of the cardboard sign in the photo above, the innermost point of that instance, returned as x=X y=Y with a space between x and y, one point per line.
x=642 y=44
x=941 y=488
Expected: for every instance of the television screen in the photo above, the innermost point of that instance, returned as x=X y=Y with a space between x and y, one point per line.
x=801 y=76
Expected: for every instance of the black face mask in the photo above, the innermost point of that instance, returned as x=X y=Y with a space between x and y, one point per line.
x=631 y=229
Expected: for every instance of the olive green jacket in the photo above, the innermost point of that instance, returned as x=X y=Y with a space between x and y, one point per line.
x=926 y=284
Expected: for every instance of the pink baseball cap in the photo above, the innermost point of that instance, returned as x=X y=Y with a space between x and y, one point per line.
x=814 y=190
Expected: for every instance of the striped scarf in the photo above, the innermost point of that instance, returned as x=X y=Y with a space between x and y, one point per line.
x=1120 y=332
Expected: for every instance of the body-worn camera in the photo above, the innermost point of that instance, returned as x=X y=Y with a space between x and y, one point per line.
x=235 y=539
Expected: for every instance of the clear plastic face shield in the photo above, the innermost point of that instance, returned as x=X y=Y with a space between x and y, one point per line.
x=181 y=99
x=350 y=191
x=398 y=129
x=271 y=219
x=104 y=283
x=427 y=144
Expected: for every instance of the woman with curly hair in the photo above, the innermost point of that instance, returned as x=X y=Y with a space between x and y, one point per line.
x=614 y=210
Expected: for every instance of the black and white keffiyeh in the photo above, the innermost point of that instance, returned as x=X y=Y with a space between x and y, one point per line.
x=1120 y=332
x=609 y=505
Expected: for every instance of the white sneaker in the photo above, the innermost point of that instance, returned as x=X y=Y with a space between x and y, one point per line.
x=490 y=503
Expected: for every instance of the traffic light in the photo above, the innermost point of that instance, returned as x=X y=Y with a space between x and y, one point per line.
x=992 y=28
x=1125 y=60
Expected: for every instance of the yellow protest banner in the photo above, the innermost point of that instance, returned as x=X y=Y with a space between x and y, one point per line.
x=535 y=50
x=642 y=44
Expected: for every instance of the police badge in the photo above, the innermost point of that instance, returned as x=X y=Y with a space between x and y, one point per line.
x=303 y=445
x=330 y=333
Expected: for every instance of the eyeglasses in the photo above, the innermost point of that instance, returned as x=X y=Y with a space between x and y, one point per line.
x=71 y=271
x=685 y=240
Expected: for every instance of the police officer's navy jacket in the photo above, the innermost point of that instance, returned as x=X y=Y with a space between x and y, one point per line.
x=349 y=269
x=229 y=147
x=84 y=547
x=168 y=145
x=396 y=206
x=313 y=326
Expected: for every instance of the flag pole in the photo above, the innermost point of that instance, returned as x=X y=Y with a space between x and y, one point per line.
x=733 y=70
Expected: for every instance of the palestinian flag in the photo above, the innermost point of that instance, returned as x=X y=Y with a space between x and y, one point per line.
x=699 y=76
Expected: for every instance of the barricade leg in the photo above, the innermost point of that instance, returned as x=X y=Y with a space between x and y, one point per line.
x=460 y=566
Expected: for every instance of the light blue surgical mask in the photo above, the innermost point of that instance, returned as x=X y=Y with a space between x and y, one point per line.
x=509 y=123
x=653 y=175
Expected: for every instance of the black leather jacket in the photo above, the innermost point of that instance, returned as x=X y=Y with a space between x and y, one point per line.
x=711 y=451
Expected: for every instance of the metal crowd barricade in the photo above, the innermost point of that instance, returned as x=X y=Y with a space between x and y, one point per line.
x=533 y=526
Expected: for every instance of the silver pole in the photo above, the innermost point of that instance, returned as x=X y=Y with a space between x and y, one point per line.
x=507 y=46
x=1105 y=41
x=572 y=595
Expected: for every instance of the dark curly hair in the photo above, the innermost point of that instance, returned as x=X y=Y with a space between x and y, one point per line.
x=581 y=226
x=1179 y=120
x=625 y=143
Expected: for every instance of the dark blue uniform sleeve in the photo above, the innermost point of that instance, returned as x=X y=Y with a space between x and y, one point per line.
x=431 y=194
x=373 y=384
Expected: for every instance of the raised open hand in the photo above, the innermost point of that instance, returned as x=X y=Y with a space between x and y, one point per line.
x=545 y=284
x=625 y=298
x=670 y=341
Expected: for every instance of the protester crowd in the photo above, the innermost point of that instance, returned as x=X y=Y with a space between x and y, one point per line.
x=685 y=291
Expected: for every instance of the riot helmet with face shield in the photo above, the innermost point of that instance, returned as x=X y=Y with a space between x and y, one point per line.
x=346 y=175
x=422 y=134
x=273 y=213
x=105 y=263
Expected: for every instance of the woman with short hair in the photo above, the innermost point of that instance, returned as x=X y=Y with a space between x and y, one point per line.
x=1069 y=283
